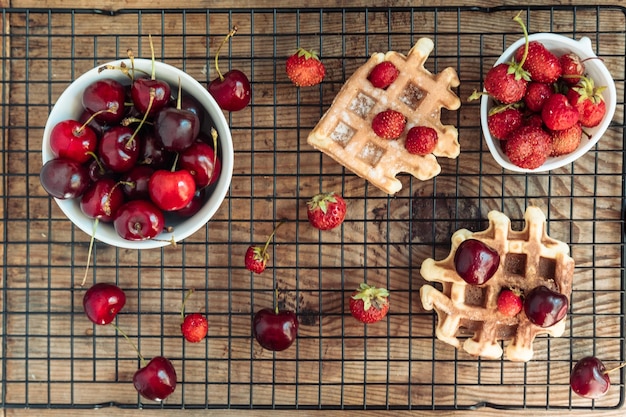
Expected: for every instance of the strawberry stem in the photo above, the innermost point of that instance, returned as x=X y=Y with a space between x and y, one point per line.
x=182 y=307
x=519 y=20
x=228 y=36
x=269 y=239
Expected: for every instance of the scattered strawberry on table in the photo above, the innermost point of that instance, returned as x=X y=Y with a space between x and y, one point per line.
x=257 y=256
x=194 y=326
x=369 y=304
x=304 y=68
x=326 y=211
x=543 y=87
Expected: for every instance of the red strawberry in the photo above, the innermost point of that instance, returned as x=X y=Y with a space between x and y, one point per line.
x=326 y=211
x=369 y=304
x=194 y=327
x=528 y=147
x=543 y=65
x=256 y=256
x=573 y=68
x=305 y=69
x=503 y=120
x=389 y=124
x=506 y=82
x=509 y=302
x=383 y=74
x=536 y=95
x=589 y=102
x=567 y=140
x=421 y=140
x=558 y=113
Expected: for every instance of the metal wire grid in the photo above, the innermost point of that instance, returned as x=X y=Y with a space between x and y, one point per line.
x=53 y=358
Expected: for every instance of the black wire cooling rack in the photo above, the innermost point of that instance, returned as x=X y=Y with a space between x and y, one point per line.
x=52 y=357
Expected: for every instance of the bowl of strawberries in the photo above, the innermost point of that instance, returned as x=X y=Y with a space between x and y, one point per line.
x=137 y=154
x=546 y=102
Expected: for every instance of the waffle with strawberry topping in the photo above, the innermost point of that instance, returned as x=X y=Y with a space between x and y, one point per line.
x=345 y=131
x=528 y=259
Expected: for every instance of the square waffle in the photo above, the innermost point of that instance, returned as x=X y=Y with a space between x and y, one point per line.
x=528 y=258
x=344 y=132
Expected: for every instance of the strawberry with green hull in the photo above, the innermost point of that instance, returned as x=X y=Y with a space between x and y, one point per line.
x=573 y=68
x=588 y=100
x=369 y=304
x=304 y=68
x=257 y=256
x=326 y=211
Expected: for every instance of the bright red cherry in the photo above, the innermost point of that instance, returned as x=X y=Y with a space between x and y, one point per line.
x=275 y=330
x=102 y=302
x=138 y=220
x=476 y=262
x=589 y=378
x=202 y=162
x=171 y=190
x=118 y=149
x=73 y=140
x=545 y=307
x=230 y=90
x=157 y=380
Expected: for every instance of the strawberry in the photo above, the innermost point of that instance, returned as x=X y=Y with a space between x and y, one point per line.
x=509 y=302
x=326 y=211
x=558 y=113
x=256 y=256
x=573 y=68
x=369 y=304
x=503 y=120
x=506 y=82
x=542 y=65
x=528 y=147
x=567 y=140
x=304 y=68
x=383 y=74
x=421 y=140
x=536 y=95
x=389 y=124
x=194 y=327
x=589 y=102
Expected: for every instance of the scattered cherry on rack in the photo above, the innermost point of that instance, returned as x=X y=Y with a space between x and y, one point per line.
x=590 y=378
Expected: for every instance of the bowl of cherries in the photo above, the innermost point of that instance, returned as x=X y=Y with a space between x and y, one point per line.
x=137 y=154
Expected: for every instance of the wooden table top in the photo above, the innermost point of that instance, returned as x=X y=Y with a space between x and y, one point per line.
x=55 y=363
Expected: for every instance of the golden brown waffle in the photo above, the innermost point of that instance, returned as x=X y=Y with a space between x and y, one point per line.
x=528 y=258
x=344 y=132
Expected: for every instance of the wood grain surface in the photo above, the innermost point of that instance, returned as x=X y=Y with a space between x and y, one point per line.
x=55 y=363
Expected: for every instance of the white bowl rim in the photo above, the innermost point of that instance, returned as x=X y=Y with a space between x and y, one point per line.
x=105 y=232
x=583 y=48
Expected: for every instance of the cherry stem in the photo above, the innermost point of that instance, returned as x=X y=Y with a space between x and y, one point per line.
x=228 y=36
x=100 y=166
x=276 y=299
x=214 y=136
x=615 y=369
x=141 y=358
x=91 y=241
x=518 y=19
x=145 y=116
x=111 y=109
x=182 y=308
x=153 y=74
x=180 y=94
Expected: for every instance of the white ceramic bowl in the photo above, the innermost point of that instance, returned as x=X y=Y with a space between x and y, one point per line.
x=69 y=106
x=595 y=69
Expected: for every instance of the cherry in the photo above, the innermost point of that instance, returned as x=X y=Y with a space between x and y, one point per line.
x=476 y=262
x=176 y=128
x=64 y=179
x=102 y=302
x=202 y=162
x=545 y=307
x=156 y=380
x=73 y=140
x=231 y=90
x=189 y=102
x=97 y=170
x=118 y=149
x=149 y=95
x=194 y=205
x=135 y=182
x=275 y=330
x=97 y=126
x=589 y=378
x=102 y=200
x=105 y=97
x=152 y=152
x=138 y=220
x=171 y=190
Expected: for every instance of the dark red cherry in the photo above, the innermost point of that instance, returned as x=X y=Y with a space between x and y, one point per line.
x=135 y=182
x=152 y=151
x=202 y=162
x=102 y=302
x=141 y=91
x=176 y=128
x=231 y=91
x=118 y=150
x=139 y=220
x=72 y=140
x=64 y=179
x=105 y=94
x=275 y=330
x=189 y=102
x=589 y=378
x=476 y=262
x=157 y=380
x=196 y=203
x=545 y=307
x=171 y=190
x=102 y=200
